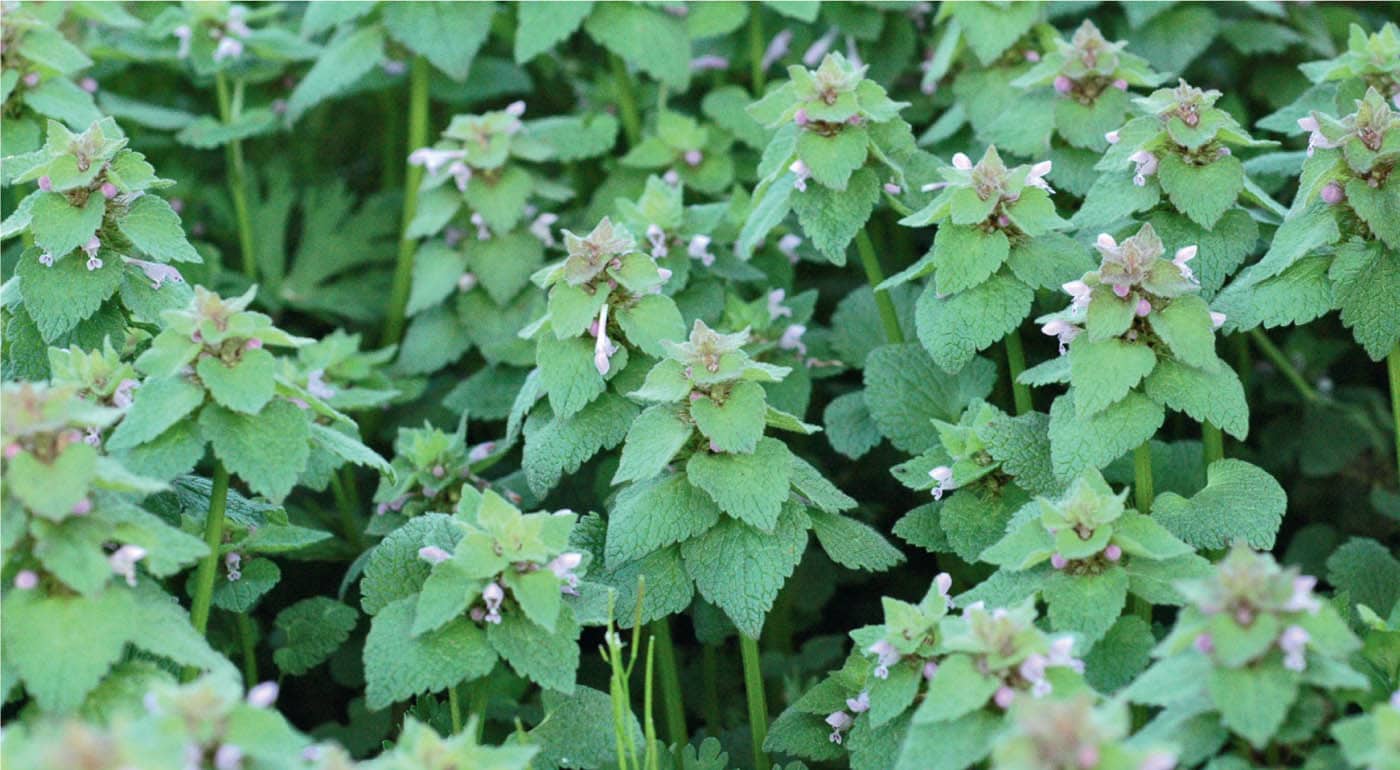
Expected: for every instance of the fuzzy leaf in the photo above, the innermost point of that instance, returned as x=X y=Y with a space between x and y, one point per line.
x=737 y=424
x=906 y=392
x=314 y=629
x=655 y=513
x=1077 y=443
x=954 y=329
x=1240 y=502
x=749 y=487
x=1215 y=396
x=1202 y=193
x=399 y=665
x=831 y=218
x=740 y=569
x=1103 y=372
x=268 y=450
x=548 y=659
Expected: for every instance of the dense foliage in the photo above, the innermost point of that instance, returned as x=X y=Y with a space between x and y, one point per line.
x=485 y=385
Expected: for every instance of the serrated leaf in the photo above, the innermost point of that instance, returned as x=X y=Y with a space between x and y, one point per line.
x=62 y=296
x=159 y=403
x=1086 y=604
x=906 y=392
x=313 y=629
x=446 y=34
x=1078 y=443
x=1185 y=325
x=831 y=218
x=954 y=329
x=1253 y=701
x=1239 y=503
x=337 y=68
x=832 y=159
x=957 y=688
x=394 y=569
x=154 y=228
x=749 y=487
x=652 y=514
x=1202 y=193
x=646 y=38
x=965 y=256
x=548 y=659
x=1103 y=372
x=268 y=450
x=246 y=386
x=736 y=425
x=1366 y=277
x=542 y=25
x=555 y=446
x=740 y=569
x=652 y=440
x=568 y=374
x=1206 y=396
x=853 y=544
x=399 y=665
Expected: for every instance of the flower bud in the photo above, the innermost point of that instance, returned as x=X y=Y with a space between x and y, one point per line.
x=263 y=695
x=26 y=580
x=82 y=507
x=1058 y=561
x=45 y=183
x=1333 y=194
x=1004 y=696
x=1113 y=553
x=1144 y=308
x=1063 y=85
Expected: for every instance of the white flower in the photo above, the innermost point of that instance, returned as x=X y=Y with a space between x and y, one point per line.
x=483 y=233
x=792 y=339
x=433 y=554
x=229 y=47
x=1183 y=255
x=859 y=704
x=1080 y=292
x=788 y=246
x=943 y=475
x=434 y=160
x=657 y=237
x=1294 y=641
x=540 y=228
x=885 y=656
x=183 y=34
x=776 y=308
x=123 y=561
x=699 y=248
x=493 y=595
x=1146 y=166
x=563 y=567
x=1036 y=178
x=157 y=272
x=803 y=174
x=962 y=162
x=1315 y=137
x=263 y=695
x=840 y=722
x=603 y=348
x=1064 y=330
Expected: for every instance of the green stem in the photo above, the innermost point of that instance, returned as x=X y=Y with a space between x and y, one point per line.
x=481 y=696
x=209 y=565
x=454 y=705
x=346 y=502
x=1142 y=478
x=626 y=101
x=758 y=701
x=1392 y=363
x=1016 y=363
x=671 y=697
x=649 y=722
x=756 y=50
x=875 y=276
x=413 y=177
x=1271 y=351
x=1213 y=442
x=709 y=670
x=245 y=641
x=391 y=173
x=229 y=109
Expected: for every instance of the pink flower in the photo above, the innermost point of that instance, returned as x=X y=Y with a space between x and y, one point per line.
x=1087 y=757
x=944 y=582
x=263 y=695
x=1293 y=641
x=1112 y=137
x=1183 y=255
x=439 y=471
x=461 y=175
x=776 y=308
x=885 y=656
x=1113 y=552
x=714 y=448
x=1204 y=644
x=1061 y=654
x=962 y=162
x=31 y=79
x=12 y=451
x=817 y=50
x=803 y=174
x=1063 y=85
x=157 y=272
x=699 y=248
x=433 y=160
x=253 y=343
x=26 y=580
x=433 y=554
x=1120 y=84
x=229 y=47
x=83 y=507
x=228 y=757
x=123 y=562
x=1217 y=320
x=1080 y=292
x=316 y=385
x=540 y=228
x=892 y=188
x=603 y=348
x=1302 y=599
x=1316 y=138
x=1333 y=194
x=1058 y=561
x=1003 y=697
x=493 y=595
x=943 y=475
x=1064 y=330
x=1144 y=308
x=777 y=48
x=1036 y=177
x=930 y=668
x=1032 y=56
x=840 y=722
x=481 y=451
x=694 y=158
x=859 y=704
x=1159 y=760
x=671 y=177
x=800 y=117
x=1121 y=290
x=46 y=183
x=1146 y=166
x=563 y=567
x=515 y=109
x=109 y=190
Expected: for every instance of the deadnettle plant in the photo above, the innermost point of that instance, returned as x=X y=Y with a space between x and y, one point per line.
x=998 y=241
x=103 y=244
x=1074 y=734
x=219 y=37
x=1138 y=340
x=452 y=594
x=1369 y=61
x=695 y=155
x=700 y=453
x=865 y=706
x=81 y=551
x=1090 y=77
x=680 y=238
x=430 y=469
x=987 y=661
x=831 y=123
x=1084 y=553
x=1251 y=627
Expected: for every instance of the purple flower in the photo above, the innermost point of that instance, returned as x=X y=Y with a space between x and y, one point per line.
x=792 y=339
x=962 y=162
x=1063 y=85
x=708 y=62
x=943 y=476
x=563 y=567
x=1144 y=308
x=433 y=160
x=263 y=695
x=123 y=562
x=944 y=582
x=1113 y=552
x=1032 y=669
x=233 y=562
x=1080 y=292
x=1316 y=138
x=1058 y=561
x=1146 y=166
x=1302 y=599
x=253 y=343
x=1036 y=177
x=1111 y=137
x=1064 y=330
x=1003 y=697
x=83 y=507
x=603 y=348
x=394 y=67
x=1120 y=84
x=1333 y=194
x=461 y=176
x=1087 y=757
x=777 y=48
x=1032 y=56
x=1217 y=320
x=31 y=79
x=803 y=174
x=229 y=47
x=776 y=308
x=859 y=704
x=694 y=158
x=1183 y=255
x=26 y=580
x=316 y=385
x=930 y=668
x=109 y=190
x=892 y=188
x=840 y=722
x=483 y=233
x=481 y=451
x=1204 y=644
x=46 y=183
x=493 y=595
x=885 y=656
x=1062 y=654
x=817 y=50
x=1121 y=290
x=800 y=117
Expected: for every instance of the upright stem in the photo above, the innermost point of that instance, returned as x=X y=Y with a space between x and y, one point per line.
x=481 y=696
x=1271 y=351
x=413 y=176
x=671 y=697
x=1142 y=478
x=758 y=701
x=875 y=276
x=626 y=101
x=756 y=51
x=347 y=503
x=229 y=110
x=1392 y=363
x=1213 y=441
x=1016 y=363
x=648 y=721
x=454 y=705
x=213 y=538
x=245 y=641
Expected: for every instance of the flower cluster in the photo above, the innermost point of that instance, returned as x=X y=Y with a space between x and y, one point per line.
x=430 y=467
x=970 y=462
x=1372 y=59
x=1085 y=66
x=991 y=197
x=690 y=153
x=1072 y=734
x=1367 y=143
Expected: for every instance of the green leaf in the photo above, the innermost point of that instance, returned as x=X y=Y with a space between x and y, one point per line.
x=966 y=256
x=1378 y=208
x=652 y=514
x=973 y=522
x=832 y=159
x=568 y=374
x=652 y=440
x=501 y=200
x=735 y=425
x=337 y=68
x=853 y=544
x=1049 y=261
x=1202 y=193
x=62 y=296
x=1299 y=294
x=1022 y=445
x=891 y=696
x=446 y=34
x=1120 y=655
x=241 y=595
x=394 y=570
x=749 y=487
x=1086 y=604
x=1185 y=325
x=159 y=404
x=906 y=392
x=953 y=329
x=1367 y=281
x=957 y=688
x=58 y=666
x=154 y=228
x=954 y=745
x=1206 y=396
x=1108 y=317
x=646 y=38
x=1298 y=236
x=815 y=490
x=849 y=426
x=1221 y=249
x=348 y=448
x=555 y=445
x=246 y=386
x=740 y=569
x=652 y=319
x=313 y=629
x=831 y=218
x=1141 y=535
x=1111 y=199
x=436 y=268
x=543 y=25
x=572 y=735
x=1103 y=372
x=548 y=659
x=399 y=665
x=1368 y=571
x=268 y=450
x=434 y=339
x=1239 y=503
x=538 y=595
x=1079 y=443
x=1253 y=701
x=51 y=489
